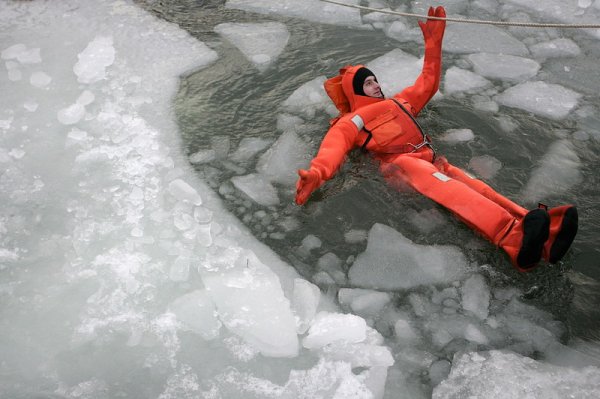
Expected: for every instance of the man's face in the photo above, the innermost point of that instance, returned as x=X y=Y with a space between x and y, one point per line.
x=372 y=88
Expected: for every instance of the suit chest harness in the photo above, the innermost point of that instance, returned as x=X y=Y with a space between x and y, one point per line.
x=383 y=136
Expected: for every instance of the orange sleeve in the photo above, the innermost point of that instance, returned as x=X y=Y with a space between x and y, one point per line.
x=336 y=144
x=427 y=84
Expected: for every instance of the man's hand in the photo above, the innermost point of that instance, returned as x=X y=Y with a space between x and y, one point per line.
x=308 y=182
x=433 y=30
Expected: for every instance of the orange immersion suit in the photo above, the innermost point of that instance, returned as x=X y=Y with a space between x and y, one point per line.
x=388 y=130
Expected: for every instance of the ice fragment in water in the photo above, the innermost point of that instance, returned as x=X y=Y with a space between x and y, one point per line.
x=14 y=75
x=86 y=98
x=504 y=67
x=281 y=162
x=184 y=192
x=40 y=79
x=355 y=236
x=309 y=98
x=545 y=99
x=251 y=303
x=469 y=38
x=457 y=135
x=459 y=80
x=30 y=106
x=305 y=302
x=328 y=328
x=476 y=296
x=485 y=166
x=366 y=303
x=359 y=354
x=71 y=115
x=391 y=261
x=257 y=188
x=309 y=243
x=13 y=51
x=562 y=47
x=310 y=10
x=220 y=145
x=405 y=333
x=94 y=59
x=202 y=156
x=439 y=371
x=249 y=147
x=427 y=220
x=261 y=43
x=558 y=172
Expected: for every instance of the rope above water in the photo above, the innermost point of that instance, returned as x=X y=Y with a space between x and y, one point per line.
x=470 y=21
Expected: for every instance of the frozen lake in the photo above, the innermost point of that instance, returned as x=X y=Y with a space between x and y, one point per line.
x=150 y=246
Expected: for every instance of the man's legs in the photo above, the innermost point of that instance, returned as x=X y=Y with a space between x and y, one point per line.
x=522 y=237
x=456 y=173
x=563 y=219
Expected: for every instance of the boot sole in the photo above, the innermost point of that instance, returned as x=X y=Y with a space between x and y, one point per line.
x=536 y=230
x=565 y=236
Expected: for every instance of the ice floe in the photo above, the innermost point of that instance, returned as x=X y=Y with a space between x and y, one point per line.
x=312 y=10
x=392 y=262
x=545 y=99
x=261 y=43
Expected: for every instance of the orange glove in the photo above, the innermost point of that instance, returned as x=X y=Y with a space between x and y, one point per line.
x=433 y=30
x=308 y=182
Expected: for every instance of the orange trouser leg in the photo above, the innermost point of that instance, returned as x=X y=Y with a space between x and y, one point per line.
x=456 y=173
x=484 y=215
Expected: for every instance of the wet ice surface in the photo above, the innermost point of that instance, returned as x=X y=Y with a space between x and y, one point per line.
x=133 y=280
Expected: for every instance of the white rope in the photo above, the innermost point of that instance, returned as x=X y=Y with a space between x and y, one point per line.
x=470 y=21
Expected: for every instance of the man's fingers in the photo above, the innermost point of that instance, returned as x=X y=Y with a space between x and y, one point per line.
x=430 y=12
x=440 y=12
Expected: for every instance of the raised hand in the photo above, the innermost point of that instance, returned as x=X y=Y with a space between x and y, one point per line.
x=433 y=30
x=308 y=182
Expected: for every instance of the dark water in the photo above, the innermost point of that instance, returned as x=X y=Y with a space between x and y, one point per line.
x=232 y=100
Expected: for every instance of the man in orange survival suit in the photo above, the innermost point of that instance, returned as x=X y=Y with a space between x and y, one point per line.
x=386 y=127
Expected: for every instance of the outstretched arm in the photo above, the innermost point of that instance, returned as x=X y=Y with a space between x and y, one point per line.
x=338 y=141
x=428 y=81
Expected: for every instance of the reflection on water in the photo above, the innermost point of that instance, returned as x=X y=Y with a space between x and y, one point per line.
x=229 y=101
